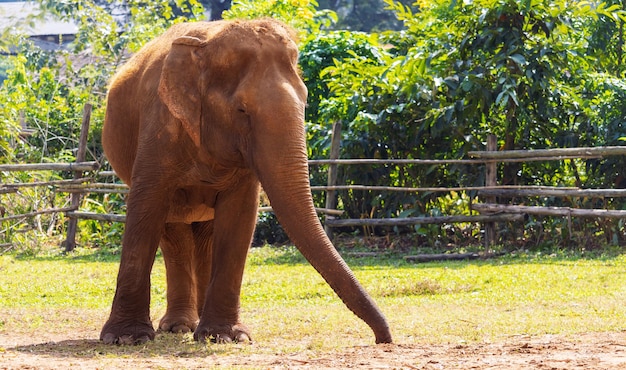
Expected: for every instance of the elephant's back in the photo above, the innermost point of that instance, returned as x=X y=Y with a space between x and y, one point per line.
x=120 y=131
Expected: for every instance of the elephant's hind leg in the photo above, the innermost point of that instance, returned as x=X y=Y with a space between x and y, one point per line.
x=178 y=247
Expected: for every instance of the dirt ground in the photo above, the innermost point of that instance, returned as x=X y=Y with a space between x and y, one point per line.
x=586 y=351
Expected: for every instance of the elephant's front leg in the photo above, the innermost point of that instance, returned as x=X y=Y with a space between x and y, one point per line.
x=203 y=254
x=178 y=247
x=235 y=219
x=129 y=322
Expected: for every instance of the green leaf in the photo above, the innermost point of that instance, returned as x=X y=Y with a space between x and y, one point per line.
x=518 y=59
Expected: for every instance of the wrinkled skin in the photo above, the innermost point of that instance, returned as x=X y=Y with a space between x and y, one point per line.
x=195 y=122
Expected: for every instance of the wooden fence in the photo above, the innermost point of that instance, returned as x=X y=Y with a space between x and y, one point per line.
x=489 y=212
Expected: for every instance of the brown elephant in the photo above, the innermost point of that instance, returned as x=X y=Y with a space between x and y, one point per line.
x=195 y=122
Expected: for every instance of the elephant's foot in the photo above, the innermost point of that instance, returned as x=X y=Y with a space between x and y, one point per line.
x=223 y=334
x=178 y=323
x=127 y=332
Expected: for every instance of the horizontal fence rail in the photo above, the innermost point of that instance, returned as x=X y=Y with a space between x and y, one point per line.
x=79 y=166
x=549 y=211
x=407 y=221
x=592 y=152
x=36 y=213
x=479 y=189
x=553 y=192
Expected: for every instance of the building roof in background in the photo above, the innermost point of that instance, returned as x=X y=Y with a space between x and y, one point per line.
x=15 y=14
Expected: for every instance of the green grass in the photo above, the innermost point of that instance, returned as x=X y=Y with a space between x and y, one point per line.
x=290 y=308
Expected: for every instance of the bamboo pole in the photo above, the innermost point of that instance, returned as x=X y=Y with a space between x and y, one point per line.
x=555 y=192
x=16 y=186
x=422 y=220
x=99 y=187
x=335 y=149
x=92 y=190
x=541 y=159
x=449 y=257
x=70 y=242
x=480 y=160
x=548 y=153
x=25 y=167
x=409 y=189
x=548 y=211
x=442 y=257
x=365 y=161
x=35 y=213
x=96 y=216
x=432 y=190
x=122 y=188
x=491 y=179
x=333 y=212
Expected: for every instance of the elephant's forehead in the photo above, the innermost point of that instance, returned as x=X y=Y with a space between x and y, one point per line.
x=260 y=32
x=236 y=48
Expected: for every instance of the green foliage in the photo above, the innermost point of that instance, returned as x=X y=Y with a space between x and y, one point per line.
x=50 y=89
x=300 y=14
x=35 y=92
x=319 y=52
x=606 y=37
x=269 y=231
x=502 y=67
x=106 y=236
x=31 y=235
x=521 y=70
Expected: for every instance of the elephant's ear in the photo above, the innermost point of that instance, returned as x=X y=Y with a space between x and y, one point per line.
x=179 y=85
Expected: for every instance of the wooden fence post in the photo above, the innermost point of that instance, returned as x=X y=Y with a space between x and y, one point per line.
x=491 y=173
x=335 y=147
x=70 y=241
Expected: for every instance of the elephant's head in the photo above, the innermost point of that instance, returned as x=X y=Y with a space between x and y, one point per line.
x=236 y=89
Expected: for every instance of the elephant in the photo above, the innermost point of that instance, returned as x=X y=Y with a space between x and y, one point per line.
x=196 y=122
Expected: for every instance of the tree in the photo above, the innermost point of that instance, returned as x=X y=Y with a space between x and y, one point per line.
x=300 y=14
x=607 y=38
x=49 y=89
x=460 y=71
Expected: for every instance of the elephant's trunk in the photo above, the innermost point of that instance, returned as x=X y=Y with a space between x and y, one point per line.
x=286 y=183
